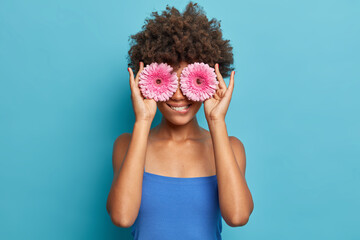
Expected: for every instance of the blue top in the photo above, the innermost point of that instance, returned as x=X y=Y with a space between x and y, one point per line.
x=178 y=208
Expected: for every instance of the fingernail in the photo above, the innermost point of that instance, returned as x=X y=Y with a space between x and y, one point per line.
x=128 y=70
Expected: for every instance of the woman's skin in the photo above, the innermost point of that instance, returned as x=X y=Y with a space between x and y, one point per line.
x=179 y=147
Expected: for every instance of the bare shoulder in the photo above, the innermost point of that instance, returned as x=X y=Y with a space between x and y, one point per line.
x=239 y=152
x=120 y=147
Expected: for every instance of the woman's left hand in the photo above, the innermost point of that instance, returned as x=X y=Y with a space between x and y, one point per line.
x=216 y=107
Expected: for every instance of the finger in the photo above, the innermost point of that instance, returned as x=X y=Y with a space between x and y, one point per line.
x=138 y=73
x=134 y=88
x=216 y=96
x=221 y=93
x=231 y=83
x=131 y=78
x=217 y=87
x=222 y=84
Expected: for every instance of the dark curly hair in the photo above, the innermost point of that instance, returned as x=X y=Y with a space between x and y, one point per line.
x=173 y=37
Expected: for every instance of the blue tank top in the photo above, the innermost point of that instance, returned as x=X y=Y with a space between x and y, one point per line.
x=178 y=208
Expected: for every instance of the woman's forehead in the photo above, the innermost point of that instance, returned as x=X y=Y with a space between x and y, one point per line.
x=177 y=67
x=180 y=65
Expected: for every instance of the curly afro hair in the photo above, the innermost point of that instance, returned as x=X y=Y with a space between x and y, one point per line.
x=173 y=37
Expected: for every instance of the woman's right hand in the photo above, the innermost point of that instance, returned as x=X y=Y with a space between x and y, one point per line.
x=144 y=109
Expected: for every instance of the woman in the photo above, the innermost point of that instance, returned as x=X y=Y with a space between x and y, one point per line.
x=176 y=180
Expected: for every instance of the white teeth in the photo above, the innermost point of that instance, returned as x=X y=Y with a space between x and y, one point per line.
x=180 y=108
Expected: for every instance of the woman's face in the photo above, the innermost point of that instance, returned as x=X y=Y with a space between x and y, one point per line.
x=179 y=116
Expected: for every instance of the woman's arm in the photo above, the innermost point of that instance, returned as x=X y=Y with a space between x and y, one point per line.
x=235 y=199
x=124 y=199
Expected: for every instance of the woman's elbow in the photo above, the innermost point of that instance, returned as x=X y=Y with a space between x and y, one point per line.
x=121 y=221
x=117 y=218
x=239 y=221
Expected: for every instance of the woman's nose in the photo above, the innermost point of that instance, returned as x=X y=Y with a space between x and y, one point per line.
x=178 y=95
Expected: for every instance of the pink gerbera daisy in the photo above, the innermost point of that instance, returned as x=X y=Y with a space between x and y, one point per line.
x=198 y=81
x=157 y=82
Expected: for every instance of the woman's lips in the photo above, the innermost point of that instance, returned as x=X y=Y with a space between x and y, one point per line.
x=180 y=111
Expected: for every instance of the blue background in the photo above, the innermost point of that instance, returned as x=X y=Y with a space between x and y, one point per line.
x=64 y=98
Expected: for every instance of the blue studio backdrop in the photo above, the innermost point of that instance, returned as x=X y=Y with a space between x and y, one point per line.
x=65 y=97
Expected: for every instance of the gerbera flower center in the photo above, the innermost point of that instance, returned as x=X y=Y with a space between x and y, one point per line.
x=158 y=81
x=198 y=81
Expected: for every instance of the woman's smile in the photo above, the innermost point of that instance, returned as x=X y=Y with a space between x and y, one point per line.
x=180 y=108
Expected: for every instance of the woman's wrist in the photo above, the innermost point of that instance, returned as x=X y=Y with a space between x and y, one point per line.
x=216 y=121
x=216 y=125
x=142 y=123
